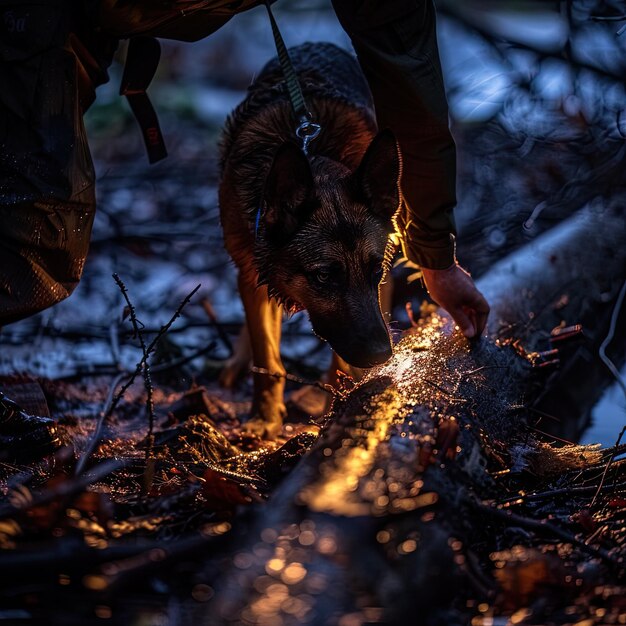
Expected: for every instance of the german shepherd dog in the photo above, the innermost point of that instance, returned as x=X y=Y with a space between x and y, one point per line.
x=309 y=232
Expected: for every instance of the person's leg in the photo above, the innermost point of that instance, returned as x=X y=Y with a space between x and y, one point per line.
x=43 y=246
x=47 y=199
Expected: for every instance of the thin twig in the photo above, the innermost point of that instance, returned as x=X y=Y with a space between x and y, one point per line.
x=323 y=386
x=608 y=464
x=16 y=336
x=484 y=367
x=111 y=405
x=147 y=378
x=223 y=335
x=444 y=391
x=183 y=360
x=564 y=491
x=550 y=436
x=174 y=317
x=65 y=489
x=554 y=418
x=148 y=352
x=544 y=527
x=609 y=338
x=607 y=18
x=97 y=434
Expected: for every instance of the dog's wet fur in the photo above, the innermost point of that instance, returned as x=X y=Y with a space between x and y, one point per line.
x=322 y=242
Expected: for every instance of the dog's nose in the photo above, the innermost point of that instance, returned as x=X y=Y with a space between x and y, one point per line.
x=367 y=355
x=381 y=355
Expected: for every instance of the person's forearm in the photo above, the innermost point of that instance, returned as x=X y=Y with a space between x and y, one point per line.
x=399 y=56
x=428 y=186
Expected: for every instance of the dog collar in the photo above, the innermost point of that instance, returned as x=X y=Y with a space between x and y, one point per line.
x=257 y=221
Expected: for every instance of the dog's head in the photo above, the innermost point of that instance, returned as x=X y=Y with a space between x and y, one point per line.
x=323 y=243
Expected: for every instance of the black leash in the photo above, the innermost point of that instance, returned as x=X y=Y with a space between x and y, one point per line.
x=307 y=130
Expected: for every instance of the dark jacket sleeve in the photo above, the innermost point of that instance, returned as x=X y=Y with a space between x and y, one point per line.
x=397 y=48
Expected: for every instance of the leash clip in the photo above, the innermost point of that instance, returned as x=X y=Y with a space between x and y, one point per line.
x=307 y=132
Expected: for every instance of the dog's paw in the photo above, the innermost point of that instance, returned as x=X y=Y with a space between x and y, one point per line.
x=267 y=421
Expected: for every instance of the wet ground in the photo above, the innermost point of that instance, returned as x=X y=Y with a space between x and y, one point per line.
x=528 y=158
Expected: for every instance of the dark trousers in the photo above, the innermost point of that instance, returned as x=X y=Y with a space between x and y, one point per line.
x=53 y=55
x=47 y=199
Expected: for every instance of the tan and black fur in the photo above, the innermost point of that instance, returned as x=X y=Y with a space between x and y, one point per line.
x=323 y=237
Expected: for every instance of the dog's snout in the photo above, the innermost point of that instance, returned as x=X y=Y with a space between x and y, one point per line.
x=380 y=356
x=366 y=354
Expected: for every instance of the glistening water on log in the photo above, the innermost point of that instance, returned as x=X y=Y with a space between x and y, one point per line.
x=391 y=516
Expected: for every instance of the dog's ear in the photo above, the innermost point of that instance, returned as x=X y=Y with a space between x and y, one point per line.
x=378 y=175
x=287 y=187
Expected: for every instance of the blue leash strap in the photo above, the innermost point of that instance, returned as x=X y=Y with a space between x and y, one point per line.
x=257 y=221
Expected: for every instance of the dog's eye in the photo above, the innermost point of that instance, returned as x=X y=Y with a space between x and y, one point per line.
x=322 y=276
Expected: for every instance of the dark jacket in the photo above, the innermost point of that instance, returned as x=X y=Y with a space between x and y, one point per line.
x=396 y=45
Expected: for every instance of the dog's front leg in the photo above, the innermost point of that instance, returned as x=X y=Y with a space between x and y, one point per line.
x=264 y=317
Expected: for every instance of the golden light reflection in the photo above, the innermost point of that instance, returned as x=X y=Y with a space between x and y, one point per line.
x=332 y=494
x=274 y=566
x=293 y=573
x=327 y=545
x=350 y=483
x=372 y=463
x=307 y=538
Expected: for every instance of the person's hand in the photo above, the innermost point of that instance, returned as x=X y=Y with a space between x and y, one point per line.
x=454 y=290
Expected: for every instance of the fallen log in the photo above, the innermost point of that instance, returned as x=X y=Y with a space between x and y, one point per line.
x=394 y=515
x=569 y=277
